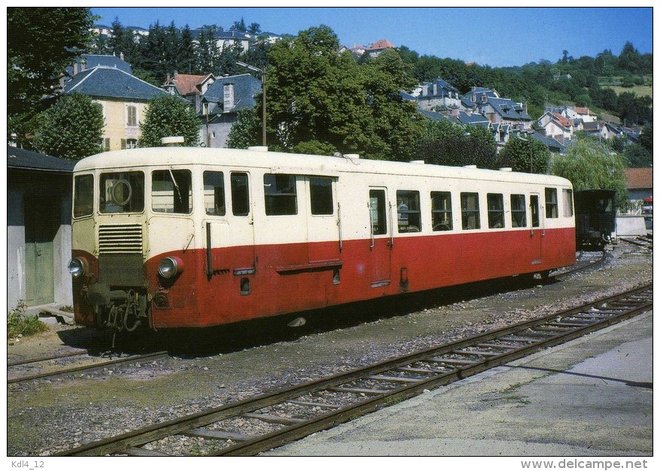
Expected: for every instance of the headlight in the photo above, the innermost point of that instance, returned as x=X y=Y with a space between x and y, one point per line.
x=76 y=267
x=169 y=267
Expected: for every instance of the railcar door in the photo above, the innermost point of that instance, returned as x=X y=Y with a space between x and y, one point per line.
x=323 y=223
x=536 y=233
x=228 y=223
x=380 y=240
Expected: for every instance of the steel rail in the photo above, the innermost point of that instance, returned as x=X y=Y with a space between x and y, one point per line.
x=75 y=369
x=48 y=358
x=530 y=336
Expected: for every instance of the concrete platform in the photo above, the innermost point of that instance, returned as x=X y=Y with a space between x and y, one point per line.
x=590 y=397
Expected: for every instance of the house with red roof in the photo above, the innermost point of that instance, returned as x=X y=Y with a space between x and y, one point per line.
x=556 y=125
x=190 y=87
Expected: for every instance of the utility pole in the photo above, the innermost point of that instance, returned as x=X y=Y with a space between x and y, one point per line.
x=263 y=97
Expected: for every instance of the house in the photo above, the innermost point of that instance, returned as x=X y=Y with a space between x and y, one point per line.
x=38 y=228
x=585 y=114
x=106 y=31
x=190 y=87
x=610 y=131
x=557 y=126
x=226 y=39
x=124 y=99
x=221 y=104
x=89 y=61
x=375 y=49
x=639 y=183
x=437 y=96
x=496 y=109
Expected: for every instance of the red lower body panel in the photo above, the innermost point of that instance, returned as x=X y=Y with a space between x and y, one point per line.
x=296 y=277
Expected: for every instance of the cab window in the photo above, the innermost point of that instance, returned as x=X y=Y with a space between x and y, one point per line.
x=83 y=195
x=171 y=191
x=121 y=192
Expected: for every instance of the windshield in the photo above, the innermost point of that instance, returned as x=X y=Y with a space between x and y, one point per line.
x=121 y=192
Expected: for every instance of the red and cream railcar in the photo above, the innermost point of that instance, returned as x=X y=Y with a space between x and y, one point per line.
x=193 y=237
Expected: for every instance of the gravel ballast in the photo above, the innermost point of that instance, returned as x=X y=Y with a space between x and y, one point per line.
x=51 y=415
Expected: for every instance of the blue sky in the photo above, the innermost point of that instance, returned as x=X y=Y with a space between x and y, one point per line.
x=488 y=36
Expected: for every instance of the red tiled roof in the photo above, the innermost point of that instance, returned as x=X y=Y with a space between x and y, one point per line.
x=380 y=44
x=586 y=111
x=562 y=120
x=637 y=178
x=187 y=84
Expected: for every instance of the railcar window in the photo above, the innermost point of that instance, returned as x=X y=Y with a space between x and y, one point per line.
x=240 y=194
x=408 y=214
x=568 y=203
x=320 y=195
x=518 y=211
x=214 y=193
x=534 y=207
x=83 y=196
x=551 y=206
x=470 y=211
x=441 y=211
x=280 y=194
x=495 y=210
x=121 y=192
x=377 y=212
x=171 y=191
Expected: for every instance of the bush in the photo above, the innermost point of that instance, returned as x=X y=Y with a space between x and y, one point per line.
x=21 y=325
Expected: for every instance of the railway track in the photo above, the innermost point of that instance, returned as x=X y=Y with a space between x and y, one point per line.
x=271 y=420
x=582 y=263
x=644 y=242
x=21 y=371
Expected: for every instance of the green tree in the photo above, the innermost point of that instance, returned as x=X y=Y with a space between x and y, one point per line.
x=246 y=131
x=317 y=94
x=590 y=165
x=637 y=156
x=525 y=155
x=41 y=42
x=72 y=128
x=166 y=116
x=447 y=143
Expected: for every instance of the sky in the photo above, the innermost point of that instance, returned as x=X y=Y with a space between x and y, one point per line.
x=488 y=36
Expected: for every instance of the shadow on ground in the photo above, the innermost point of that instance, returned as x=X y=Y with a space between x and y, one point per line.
x=250 y=334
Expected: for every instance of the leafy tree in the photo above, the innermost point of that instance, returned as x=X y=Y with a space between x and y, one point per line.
x=39 y=48
x=447 y=143
x=246 y=131
x=72 y=128
x=186 y=57
x=637 y=156
x=646 y=137
x=525 y=155
x=254 y=28
x=590 y=165
x=207 y=50
x=168 y=115
x=316 y=93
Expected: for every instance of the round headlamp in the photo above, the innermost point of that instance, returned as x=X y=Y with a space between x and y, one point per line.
x=76 y=267
x=169 y=267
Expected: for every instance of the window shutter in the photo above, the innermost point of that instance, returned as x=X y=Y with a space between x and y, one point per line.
x=123 y=143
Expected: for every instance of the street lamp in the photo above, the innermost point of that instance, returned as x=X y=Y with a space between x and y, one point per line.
x=263 y=96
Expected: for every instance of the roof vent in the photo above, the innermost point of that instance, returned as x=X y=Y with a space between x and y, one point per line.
x=172 y=141
x=258 y=148
x=417 y=162
x=505 y=169
x=352 y=156
x=469 y=166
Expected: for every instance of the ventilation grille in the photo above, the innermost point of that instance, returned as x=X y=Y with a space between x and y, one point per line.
x=122 y=238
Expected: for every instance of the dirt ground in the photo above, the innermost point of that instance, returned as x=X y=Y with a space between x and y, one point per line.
x=211 y=368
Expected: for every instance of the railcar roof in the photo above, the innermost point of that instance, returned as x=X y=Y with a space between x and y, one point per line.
x=280 y=162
